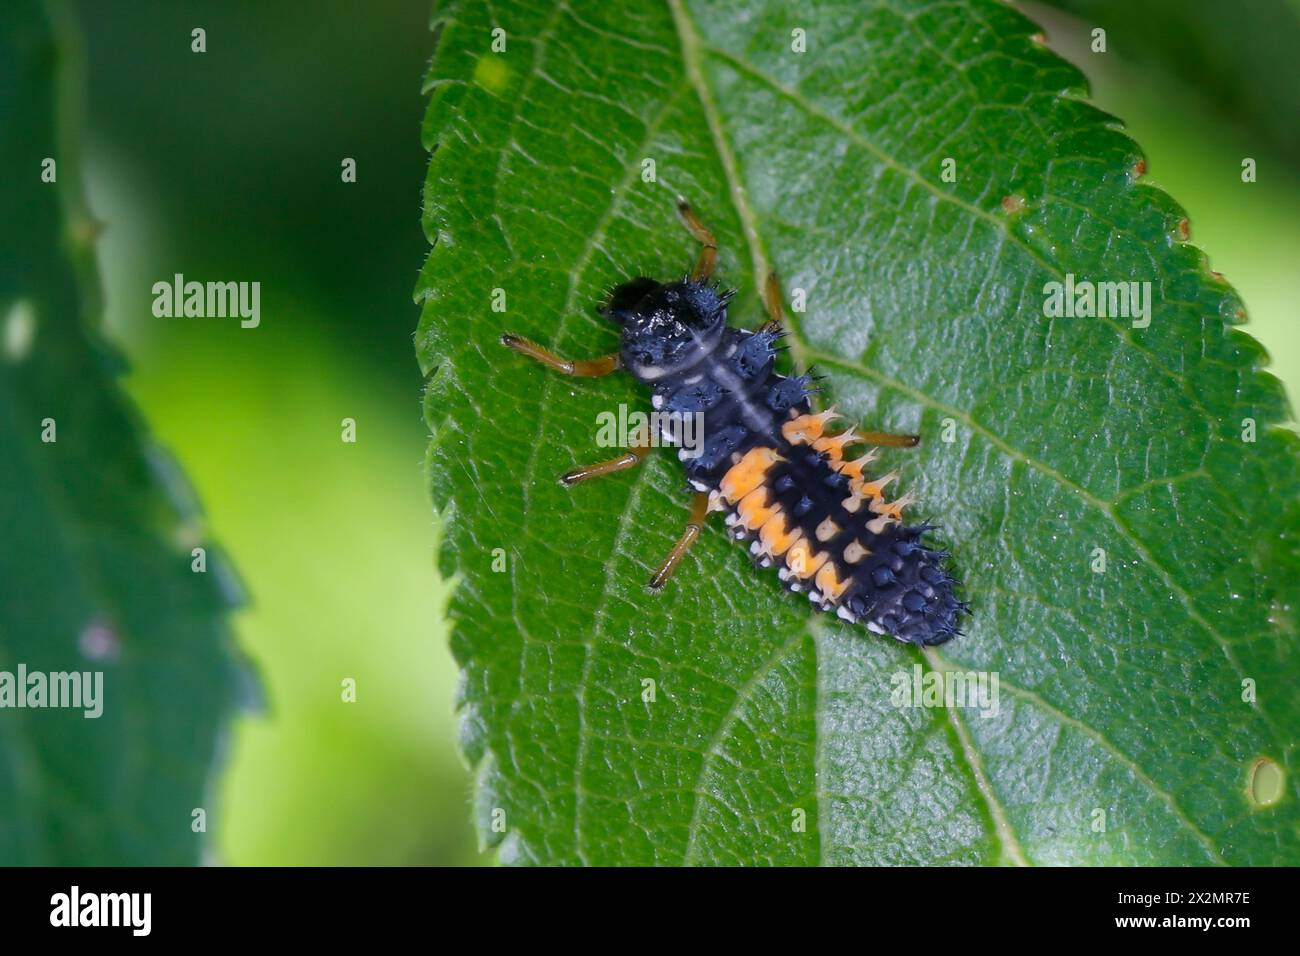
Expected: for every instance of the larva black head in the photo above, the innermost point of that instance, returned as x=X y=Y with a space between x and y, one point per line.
x=667 y=327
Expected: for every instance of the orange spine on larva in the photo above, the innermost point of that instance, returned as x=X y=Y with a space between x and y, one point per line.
x=800 y=504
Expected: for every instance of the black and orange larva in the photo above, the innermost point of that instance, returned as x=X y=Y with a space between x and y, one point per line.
x=766 y=459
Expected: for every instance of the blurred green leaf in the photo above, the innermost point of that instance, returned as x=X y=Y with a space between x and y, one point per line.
x=97 y=526
x=1239 y=56
x=1124 y=733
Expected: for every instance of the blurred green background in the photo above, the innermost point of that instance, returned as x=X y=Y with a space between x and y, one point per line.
x=226 y=166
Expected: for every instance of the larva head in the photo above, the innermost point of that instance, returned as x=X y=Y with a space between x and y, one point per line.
x=667 y=327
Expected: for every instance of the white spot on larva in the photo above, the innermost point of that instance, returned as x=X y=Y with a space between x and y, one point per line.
x=874 y=627
x=657 y=401
x=19 y=330
x=753 y=548
x=700 y=486
x=845 y=614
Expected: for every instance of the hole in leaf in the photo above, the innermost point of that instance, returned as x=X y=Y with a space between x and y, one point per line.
x=1265 y=786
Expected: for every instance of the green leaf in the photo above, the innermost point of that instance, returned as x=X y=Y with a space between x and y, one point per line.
x=1122 y=735
x=96 y=526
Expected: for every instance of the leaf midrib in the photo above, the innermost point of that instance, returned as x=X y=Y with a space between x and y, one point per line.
x=941 y=663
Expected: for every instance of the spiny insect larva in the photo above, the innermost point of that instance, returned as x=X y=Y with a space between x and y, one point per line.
x=766 y=459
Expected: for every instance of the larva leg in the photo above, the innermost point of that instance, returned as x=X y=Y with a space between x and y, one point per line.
x=885 y=438
x=583 y=368
x=773 y=304
x=699 y=509
x=708 y=245
x=629 y=459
